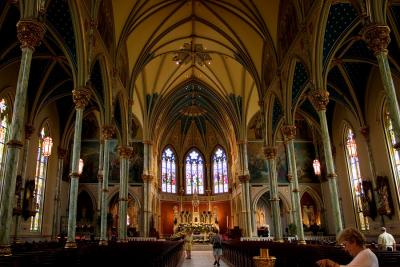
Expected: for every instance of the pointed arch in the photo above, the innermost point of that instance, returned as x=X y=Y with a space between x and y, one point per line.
x=220 y=170
x=168 y=170
x=194 y=171
x=40 y=177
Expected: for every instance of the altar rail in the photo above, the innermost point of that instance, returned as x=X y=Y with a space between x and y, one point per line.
x=291 y=254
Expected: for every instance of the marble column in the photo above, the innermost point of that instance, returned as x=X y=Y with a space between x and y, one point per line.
x=270 y=155
x=99 y=181
x=29 y=129
x=244 y=180
x=320 y=99
x=147 y=179
x=289 y=131
x=81 y=97
x=124 y=154
x=29 y=33
x=377 y=38
x=108 y=132
x=56 y=212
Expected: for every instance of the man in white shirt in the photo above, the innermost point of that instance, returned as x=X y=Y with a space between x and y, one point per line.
x=386 y=241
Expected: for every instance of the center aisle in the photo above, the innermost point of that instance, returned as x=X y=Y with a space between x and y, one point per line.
x=201 y=257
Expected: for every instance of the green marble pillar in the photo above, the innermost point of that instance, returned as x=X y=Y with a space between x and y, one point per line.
x=270 y=154
x=377 y=38
x=29 y=129
x=289 y=132
x=108 y=132
x=320 y=99
x=29 y=33
x=56 y=212
x=81 y=98
x=124 y=153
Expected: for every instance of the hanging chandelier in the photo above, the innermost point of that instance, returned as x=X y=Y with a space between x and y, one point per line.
x=194 y=53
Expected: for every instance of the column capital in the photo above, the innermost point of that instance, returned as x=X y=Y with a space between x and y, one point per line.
x=147 y=177
x=147 y=142
x=81 y=97
x=319 y=99
x=270 y=152
x=331 y=176
x=61 y=152
x=377 y=38
x=108 y=131
x=364 y=131
x=30 y=33
x=124 y=151
x=244 y=178
x=289 y=131
x=15 y=144
x=29 y=130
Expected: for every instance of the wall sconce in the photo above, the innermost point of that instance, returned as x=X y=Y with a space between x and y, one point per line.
x=80 y=167
x=317 y=167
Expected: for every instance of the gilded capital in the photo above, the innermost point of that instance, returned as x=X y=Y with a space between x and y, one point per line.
x=61 y=152
x=29 y=130
x=244 y=178
x=289 y=131
x=81 y=97
x=319 y=99
x=124 y=151
x=377 y=38
x=30 y=33
x=108 y=132
x=147 y=177
x=270 y=152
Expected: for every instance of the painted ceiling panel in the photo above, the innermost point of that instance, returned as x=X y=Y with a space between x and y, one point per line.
x=341 y=15
x=300 y=78
x=59 y=16
x=359 y=50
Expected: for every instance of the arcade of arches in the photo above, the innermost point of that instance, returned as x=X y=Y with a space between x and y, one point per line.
x=136 y=118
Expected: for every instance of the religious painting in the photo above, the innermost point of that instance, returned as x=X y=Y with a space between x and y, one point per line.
x=303 y=130
x=258 y=165
x=281 y=163
x=90 y=156
x=136 y=163
x=114 y=163
x=367 y=200
x=256 y=127
x=305 y=155
x=105 y=24
x=385 y=204
x=288 y=25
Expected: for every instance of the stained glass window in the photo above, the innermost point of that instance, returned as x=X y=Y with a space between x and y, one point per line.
x=168 y=171
x=40 y=181
x=355 y=177
x=220 y=172
x=3 y=135
x=394 y=149
x=194 y=170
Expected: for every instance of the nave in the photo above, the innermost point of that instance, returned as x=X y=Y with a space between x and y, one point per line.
x=201 y=257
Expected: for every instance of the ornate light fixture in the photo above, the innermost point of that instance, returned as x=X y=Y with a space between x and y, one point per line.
x=194 y=53
x=80 y=167
x=46 y=146
x=317 y=167
x=351 y=147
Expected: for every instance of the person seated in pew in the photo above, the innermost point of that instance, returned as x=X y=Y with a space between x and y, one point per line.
x=386 y=241
x=353 y=243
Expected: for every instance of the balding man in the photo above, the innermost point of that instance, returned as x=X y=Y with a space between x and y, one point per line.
x=386 y=241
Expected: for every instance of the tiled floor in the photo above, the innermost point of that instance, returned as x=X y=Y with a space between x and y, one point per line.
x=201 y=259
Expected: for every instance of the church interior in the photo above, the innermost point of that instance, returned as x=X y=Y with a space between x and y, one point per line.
x=134 y=121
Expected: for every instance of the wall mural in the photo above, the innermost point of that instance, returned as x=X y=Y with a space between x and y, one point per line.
x=258 y=165
x=305 y=155
x=136 y=163
x=281 y=163
x=90 y=156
